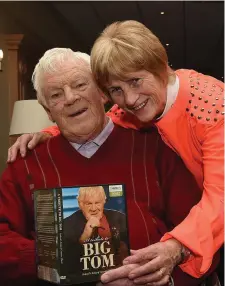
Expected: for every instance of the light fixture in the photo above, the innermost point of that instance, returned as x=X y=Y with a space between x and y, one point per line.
x=167 y=45
x=28 y=117
x=162 y=13
x=1 y=57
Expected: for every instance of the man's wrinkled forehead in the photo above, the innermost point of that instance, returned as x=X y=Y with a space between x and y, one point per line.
x=62 y=72
x=93 y=197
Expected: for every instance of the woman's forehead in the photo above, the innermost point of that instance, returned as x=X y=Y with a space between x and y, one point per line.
x=127 y=76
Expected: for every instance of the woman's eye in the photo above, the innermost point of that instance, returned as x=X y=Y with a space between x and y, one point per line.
x=115 y=91
x=135 y=81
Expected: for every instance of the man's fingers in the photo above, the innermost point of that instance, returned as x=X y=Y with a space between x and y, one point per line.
x=161 y=282
x=146 y=268
x=118 y=273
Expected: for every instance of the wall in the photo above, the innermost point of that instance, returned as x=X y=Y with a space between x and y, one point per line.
x=7 y=26
x=4 y=111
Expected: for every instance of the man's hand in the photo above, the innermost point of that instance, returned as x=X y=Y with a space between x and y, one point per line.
x=24 y=142
x=92 y=223
x=89 y=227
x=162 y=257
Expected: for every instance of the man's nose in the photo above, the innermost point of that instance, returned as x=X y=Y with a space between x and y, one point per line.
x=70 y=95
x=93 y=207
x=130 y=97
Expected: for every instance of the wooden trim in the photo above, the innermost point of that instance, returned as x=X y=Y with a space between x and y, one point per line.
x=13 y=42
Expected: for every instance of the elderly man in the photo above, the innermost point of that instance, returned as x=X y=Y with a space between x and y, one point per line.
x=92 y=216
x=92 y=150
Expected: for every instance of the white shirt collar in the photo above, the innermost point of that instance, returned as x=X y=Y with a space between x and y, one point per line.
x=172 y=92
x=89 y=148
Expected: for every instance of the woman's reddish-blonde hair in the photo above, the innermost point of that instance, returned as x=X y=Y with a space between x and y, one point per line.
x=125 y=47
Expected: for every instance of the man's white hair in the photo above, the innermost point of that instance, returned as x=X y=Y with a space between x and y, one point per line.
x=90 y=192
x=52 y=61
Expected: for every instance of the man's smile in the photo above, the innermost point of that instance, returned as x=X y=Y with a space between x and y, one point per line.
x=78 y=112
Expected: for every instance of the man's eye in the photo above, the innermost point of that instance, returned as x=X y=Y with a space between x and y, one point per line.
x=80 y=85
x=55 y=95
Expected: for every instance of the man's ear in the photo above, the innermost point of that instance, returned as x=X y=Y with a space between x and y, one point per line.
x=48 y=112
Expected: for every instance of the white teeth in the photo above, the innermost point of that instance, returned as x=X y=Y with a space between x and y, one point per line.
x=140 y=106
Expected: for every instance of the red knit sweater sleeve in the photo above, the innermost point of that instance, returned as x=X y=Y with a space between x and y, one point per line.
x=122 y=118
x=52 y=130
x=17 y=250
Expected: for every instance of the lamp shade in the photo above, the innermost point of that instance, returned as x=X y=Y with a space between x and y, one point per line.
x=1 y=55
x=28 y=117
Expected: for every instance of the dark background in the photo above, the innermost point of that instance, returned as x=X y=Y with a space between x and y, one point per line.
x=194 y=30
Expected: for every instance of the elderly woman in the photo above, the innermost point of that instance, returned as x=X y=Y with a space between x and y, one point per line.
x=130 y=65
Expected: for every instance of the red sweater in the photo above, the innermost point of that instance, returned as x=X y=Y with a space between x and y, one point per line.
x=153 y=184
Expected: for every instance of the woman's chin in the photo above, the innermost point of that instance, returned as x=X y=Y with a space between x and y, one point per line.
x=145 y=118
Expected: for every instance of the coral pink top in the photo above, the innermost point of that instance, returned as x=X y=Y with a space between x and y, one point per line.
x=194 y=129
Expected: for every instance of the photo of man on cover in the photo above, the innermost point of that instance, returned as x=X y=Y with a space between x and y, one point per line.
x=92 y=232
